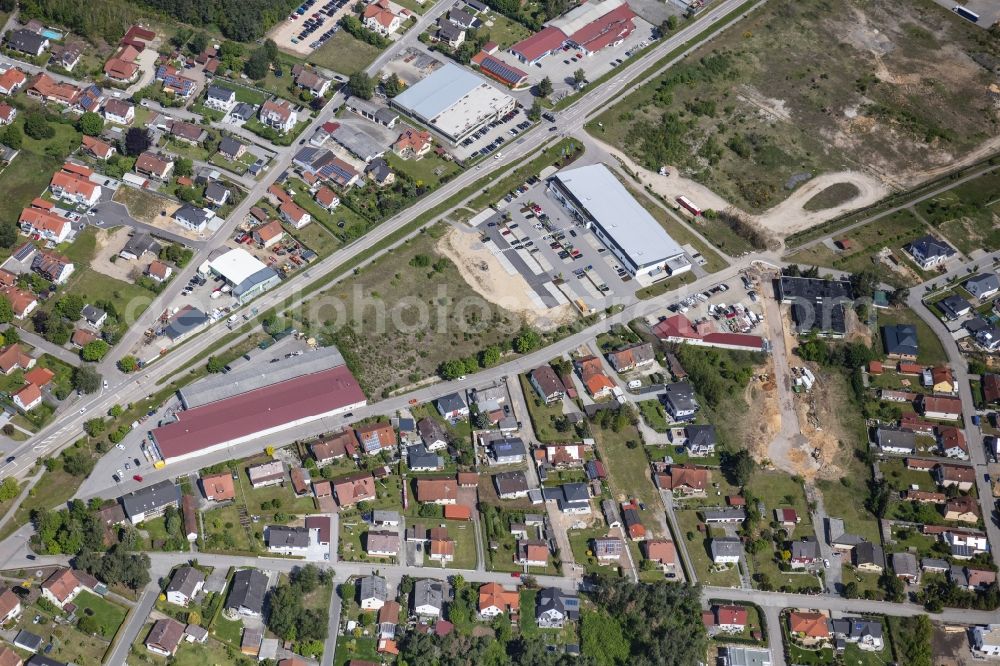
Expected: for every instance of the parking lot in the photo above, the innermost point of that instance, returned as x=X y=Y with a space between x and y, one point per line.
x=309 y=26
x=734 y=306
x=492 y=138
x=544 y=244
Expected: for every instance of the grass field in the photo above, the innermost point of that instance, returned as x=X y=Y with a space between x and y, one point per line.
x=967 y=214
x=109 y=616
x=628 y=467
x=141 y=204
x=504 y=31
x=345 y=54
x=543 y=416
x=397 y=349
x=743 y=117
x=847 y=503
x=342 y=222
x=429 y=170
x=350 y=648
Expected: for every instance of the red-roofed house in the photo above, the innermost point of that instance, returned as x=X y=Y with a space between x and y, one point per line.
x=159 y=271
x=354 y=488
x=383 y=17
x=11 y=81
x=61 y=587
x=13 y=358
x=27 y=397
x=294 y=214
x=7 y=114
x=97 y=148
x=663 y=552
x=268 y=234
x=69 y=186
x=10 y=607
x=279 y=115
x=494 y=600
x=326 y=198
x=44 y=225
x=810 y=626
x=591 y=372
x=39 y=376
x=731 y=619
x=412 y=144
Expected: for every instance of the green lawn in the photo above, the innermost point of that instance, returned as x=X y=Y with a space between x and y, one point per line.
x=504 y=31
x=463 y=534
x=542 y=416
x=847 y=503
x=223 y=531
x=342 y=222
x=243 y=94
x=350 y=648
x=109 y=616
x=698 y=549
x=345 y=54
x=627 y=467
x=653 y=414
x=428 y=170
x=964 y=214
x=316 y=237
x=579 y=543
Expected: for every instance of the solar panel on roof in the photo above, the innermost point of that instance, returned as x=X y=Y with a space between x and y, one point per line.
x=502 y=70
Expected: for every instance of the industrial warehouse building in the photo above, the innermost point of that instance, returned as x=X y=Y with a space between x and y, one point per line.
x=244 y=273
x=250 y=405
x=454 y=102
x=595 y=197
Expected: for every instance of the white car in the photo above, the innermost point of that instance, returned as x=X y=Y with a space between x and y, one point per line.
x=83 y=409
x=120 y=446
x=105 y=383
x=826 y=563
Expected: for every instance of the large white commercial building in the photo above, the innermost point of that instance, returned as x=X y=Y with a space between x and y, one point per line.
x=595 y=197
x=247 y=275
x=454 y=102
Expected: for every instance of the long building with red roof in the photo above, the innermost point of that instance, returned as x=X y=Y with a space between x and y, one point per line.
x=589 y=27
x=258 y=413
x=679 y=329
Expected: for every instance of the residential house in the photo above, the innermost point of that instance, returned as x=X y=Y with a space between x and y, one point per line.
x=630 y=358
x=663 y=552
x=903 y=442
x=268 y=234
x=97 y=148
x=962 y=509
x=904 y=565
x=971 y=579
x=986 y=640
x=983 y=286
x=507 y=451
x=217 y=193
x=940 y=407
x=193 y=218
x=185 y=585
x=353 y=488
x=246 y=595
x=388 y=619
x=12 y=358
x=451 y=34
x=437 y=491
x=165 y=637
x=511 y=485
x=868 y=556
x=11 y=81
x=218 y=487
x=953 y=306
x=122 y=66
x=701 y=440
x=730 y=619
x=428 y=597
x=151 y=501
x=452 y=407
x=553 y=607
x=44 y=88
x=309 y=79
x=72 y=184
x=900 y=342
x=547 y=384
x=27 y=41
x=726 y=550
x=683 y=480
x=809 y=625
x=10 y=608
x=952 y=443
x=787 y=518
x=155 y=166
x=531 y=553
x=564 y=455
x=384 y=17
x=419 y=459
x=804 y=553
x=591 y=372
x=723 y=516
x=94 y=316
x=279 y=115
x=965 y=545
x=287 y=540
x=61 y=587
x=867 y=634
x=570 y=497
x=496 y=600
x=220 y=99
x=954 y=475
x=375 y=437
x=8 y=657
x=412 y=144
x=432 y=434
x=44 y=225
x=943 y=380
x=159 y=271
x=607 y=548
x=338 y=446
x=232 y=149
x=929 y=252
x=633 y=523
x=119 y=112
x=326 y=198
x=372 y=592
x=267 y=474
x=679 y=401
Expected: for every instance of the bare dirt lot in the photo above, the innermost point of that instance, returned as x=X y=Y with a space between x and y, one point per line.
x=109 y=243
x=481 y=270
x=878 y=94
x=153 y=209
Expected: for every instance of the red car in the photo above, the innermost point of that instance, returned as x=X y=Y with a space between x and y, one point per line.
x=516 y=574
x=137 y=477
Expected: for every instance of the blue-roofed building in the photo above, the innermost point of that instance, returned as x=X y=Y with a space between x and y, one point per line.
x=187 y=320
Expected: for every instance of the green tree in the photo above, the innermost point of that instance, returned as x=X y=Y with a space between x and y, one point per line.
x=95 y=426
x=489 y=356
x=602 y=639
x=94 y=350
x=86 y=379
x=12 y=137
x=361 y=85
x=90 y=123
x=535 y=112
x=128 y=364
x=738 y=467
x=452 y=369
x=527 y=340
x=392 y=86
x=70 y=307
x=545 y=87
x=579 y=76
x=257 y=64
x=8 y=489
x=37 y=127
x=183 y=166
x=6 y=310
x=215 y=364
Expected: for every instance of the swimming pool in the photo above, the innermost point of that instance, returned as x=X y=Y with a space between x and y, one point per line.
x=49 y=33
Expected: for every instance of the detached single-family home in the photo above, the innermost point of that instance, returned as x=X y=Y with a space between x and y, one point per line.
x=165 y=637
x=353 y=488
x=902 y=442
x=185 y=585
x=428 y=597
x=726 y=550
x=10 y=608
x=432 y=434
x=809 y=625
x=983 y=286
x=267 y=474
x=246 y=595
x=372 y=592
x=412 y=144
x=804 y=553
x=663 y=553
x=61 y=587
x=27 y=41
x=383 y=17
x=928 y=252
x=900 y=342
x=547 y=384
x=220 y=99
x=155 y=166
x=375 y=437
x=279 y=115
x=952 y=443
x=151 y=501
x=954 y=307
x=904 y=565
x=867 y=634
x=679 y=401
x=119 y=112
x=630 y=358
x=437 y=491
x=452 y=407
x=868 y=556
x=553 y=608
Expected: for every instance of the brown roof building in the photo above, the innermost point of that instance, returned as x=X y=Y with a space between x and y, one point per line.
x=437 y=491
x=354 y=488
x=218 y=487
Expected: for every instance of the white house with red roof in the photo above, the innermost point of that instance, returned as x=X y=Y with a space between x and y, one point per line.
x=7 y=114
x=279 y=115
x=62 y=587
x=384 y=17
x=72 y=183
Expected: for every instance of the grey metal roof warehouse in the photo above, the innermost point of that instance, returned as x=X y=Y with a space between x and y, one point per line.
x=618 y=215
x=219 y=387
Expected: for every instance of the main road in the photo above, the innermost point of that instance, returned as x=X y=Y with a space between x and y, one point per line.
x=128 y=388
